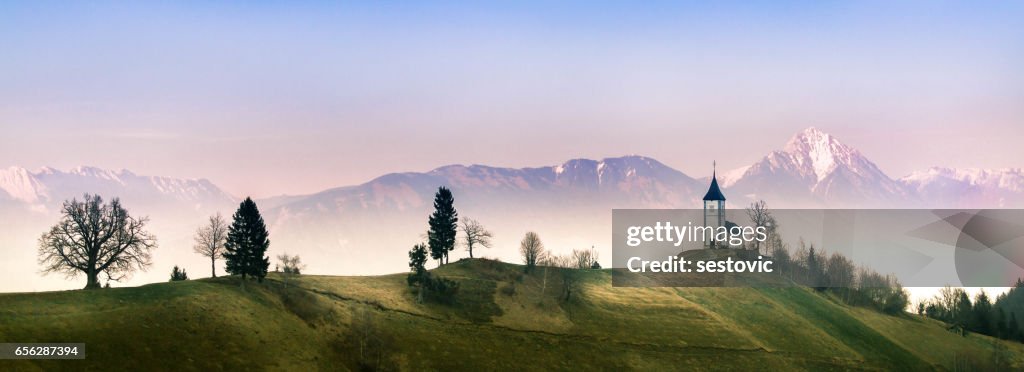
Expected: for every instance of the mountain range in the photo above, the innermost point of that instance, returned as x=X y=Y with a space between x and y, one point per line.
x=814 y=169
x=349 y=229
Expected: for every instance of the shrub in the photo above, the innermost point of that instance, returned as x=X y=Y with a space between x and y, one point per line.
x=178 y=274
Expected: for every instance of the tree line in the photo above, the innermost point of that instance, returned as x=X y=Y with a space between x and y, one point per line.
x=833 y=273
x=982 y=315
x=96 y=238
x=442 y=238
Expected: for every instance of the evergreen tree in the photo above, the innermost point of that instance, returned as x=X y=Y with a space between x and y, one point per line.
x=1012 y=329
x=964 y=311
x=815 y=269
x=418 y=259
x=982 y=317
x=1001 y=323
x=247 y=243
x=178 y=274
x=417 y=262
x=443 y=225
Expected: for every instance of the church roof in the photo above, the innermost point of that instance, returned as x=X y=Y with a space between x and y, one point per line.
x=714 y=193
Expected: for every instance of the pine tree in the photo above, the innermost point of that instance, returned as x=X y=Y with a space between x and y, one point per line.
x=443 y=225
x=981 y=321
x=247 y=243
x=417 y=260
x=1001 y=323
x=964 y=311
x=178 y=274
x=1012 y=329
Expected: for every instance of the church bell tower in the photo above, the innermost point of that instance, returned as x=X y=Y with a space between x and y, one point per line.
x=714 y=208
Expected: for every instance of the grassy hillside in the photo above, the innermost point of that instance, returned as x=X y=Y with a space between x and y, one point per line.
x=501 y=319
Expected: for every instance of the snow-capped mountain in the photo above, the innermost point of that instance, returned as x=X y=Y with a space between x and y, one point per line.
x=630 y=180
x=368 y=228
x=815 y=169
x=568 y=204
x=18 y=184
x=47 y=188
x=970 y=187
x=30 y=203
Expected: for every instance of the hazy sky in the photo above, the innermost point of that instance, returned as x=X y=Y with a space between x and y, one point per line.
x=266 y=99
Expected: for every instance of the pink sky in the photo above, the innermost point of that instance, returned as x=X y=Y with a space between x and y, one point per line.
x=296 y=99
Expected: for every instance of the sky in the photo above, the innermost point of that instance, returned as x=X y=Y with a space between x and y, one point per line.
x=269 y=98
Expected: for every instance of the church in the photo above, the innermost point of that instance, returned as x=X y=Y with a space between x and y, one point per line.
x=714 y=208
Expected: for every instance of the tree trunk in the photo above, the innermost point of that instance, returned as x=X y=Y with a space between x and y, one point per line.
x=213 y=266
x=544 y=283
x=470 y=250
x=92 y=279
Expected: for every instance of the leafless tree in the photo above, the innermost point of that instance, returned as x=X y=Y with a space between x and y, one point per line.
x=96 y=238
x=759 y=215
x=373 y=343
x=583 y=258
x=565 y=265
x=532 y=250
x=209 y=240
x=840 y=274
x=551 y=262
x=474 y=235
x=291 y=266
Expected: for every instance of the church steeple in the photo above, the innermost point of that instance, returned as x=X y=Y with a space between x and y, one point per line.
x=714 y=193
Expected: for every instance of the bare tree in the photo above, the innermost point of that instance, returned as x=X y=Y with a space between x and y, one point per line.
x=474 y=234
x=94 y=238
x=759 y=215
x=532 y=250
x=583 y=258
x=210 y=239
x=551 y=261
x=373 y=343
x=565 y=265
x=291 y=265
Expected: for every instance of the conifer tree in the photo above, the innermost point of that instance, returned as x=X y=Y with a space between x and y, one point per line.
x=443 y=225
x=1001 y=323
x=419 y=275
x=178 y=274
x=1013 y=329
x=981 y=320
x=247 y=243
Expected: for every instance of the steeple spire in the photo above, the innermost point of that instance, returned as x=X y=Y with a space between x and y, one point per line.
x=714 y=193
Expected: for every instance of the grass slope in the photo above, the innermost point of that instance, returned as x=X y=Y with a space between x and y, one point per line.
x=501 y=319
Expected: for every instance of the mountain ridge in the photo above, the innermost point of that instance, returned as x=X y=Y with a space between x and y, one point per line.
x=368 y=228
x=813 y=167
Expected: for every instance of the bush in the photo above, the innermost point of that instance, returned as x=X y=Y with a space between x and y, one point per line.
x=177 y=274
x=441 y=289
x=437 y=288
x=896 y=302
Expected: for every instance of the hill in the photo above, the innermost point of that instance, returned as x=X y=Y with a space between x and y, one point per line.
x=501 y=319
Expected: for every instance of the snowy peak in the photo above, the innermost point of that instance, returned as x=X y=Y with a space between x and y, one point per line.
x=20 y=184
x=1011 y=179
x=49 y=186
x=820 y=152
x=612 y=171
x=969 y=187
x=818 y=165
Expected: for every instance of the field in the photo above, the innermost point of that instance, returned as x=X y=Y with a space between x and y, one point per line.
x=500 y=319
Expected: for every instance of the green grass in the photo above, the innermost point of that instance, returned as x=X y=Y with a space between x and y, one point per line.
x=308 y=325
